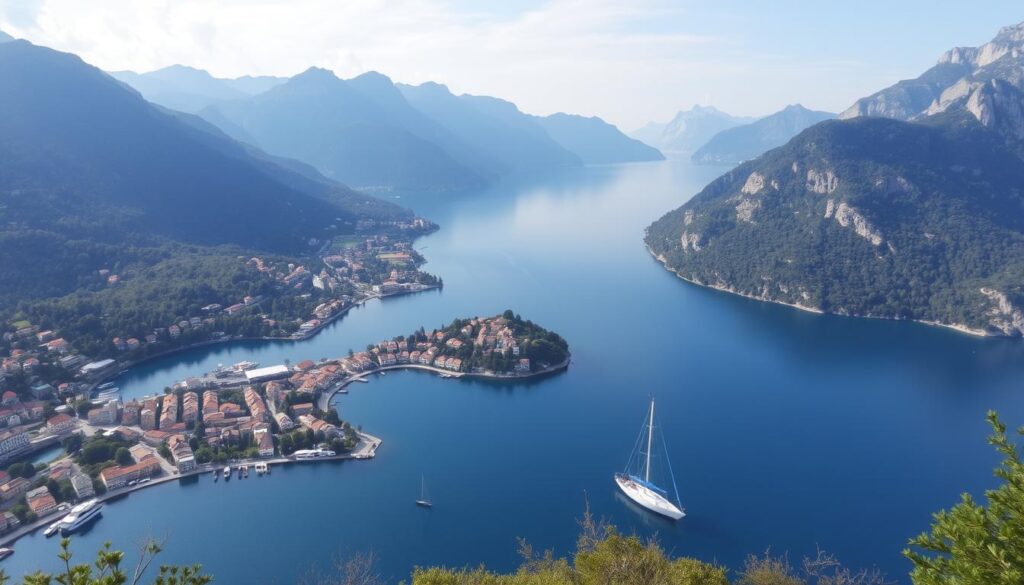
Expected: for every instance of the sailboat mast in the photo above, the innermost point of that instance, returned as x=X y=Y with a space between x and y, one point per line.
x=650 y=436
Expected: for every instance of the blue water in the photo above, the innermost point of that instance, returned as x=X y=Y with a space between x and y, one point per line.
x=787 y=430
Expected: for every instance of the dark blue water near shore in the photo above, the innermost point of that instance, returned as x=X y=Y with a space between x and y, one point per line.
x=787 y=430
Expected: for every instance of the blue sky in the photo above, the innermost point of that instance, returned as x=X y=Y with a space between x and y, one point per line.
x=628 y=62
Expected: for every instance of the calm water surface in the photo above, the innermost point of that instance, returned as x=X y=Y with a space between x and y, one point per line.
x=787 y=430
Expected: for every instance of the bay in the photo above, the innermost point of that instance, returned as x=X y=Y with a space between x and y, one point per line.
x=787 y=430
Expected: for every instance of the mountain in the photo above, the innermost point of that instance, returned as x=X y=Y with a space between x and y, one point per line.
x=741 y=143
x=361 y=132
x=94 y=176
x=190 y=90
x=688 y=130
x=878 y=217
x=5 y=38
x=958 y=72
x=596 y=141
x=510 y=140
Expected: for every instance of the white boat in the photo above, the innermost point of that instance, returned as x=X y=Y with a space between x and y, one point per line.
x=52 y=529
x=107 y=395
x=227 y=472
x=424 y=501
x=79 y=516
x=5 y=552
x=638 y=486
x=245 y=365
x=313 y=453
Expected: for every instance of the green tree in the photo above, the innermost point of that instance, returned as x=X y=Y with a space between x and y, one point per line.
x=21 y=469
x=107 y=570
x=72 y=442
x=975 y=544
x=123 y=456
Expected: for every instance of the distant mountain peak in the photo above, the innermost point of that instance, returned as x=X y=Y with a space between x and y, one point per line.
x=958 y=71
x=315 y=73
x=740 y=143
x=5 y=38
x=374 y=76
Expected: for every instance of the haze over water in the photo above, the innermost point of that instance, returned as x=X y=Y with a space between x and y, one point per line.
x=786 y=429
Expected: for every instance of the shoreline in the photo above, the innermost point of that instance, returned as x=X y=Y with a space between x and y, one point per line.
x=324 y=401
x=952 y=326
x=366 y=449
x=208 y=342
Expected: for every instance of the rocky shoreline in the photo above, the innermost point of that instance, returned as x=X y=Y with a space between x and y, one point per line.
x=953 y=326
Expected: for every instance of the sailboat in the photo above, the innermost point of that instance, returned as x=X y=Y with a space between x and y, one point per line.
x=424 y=501
x=638 y=487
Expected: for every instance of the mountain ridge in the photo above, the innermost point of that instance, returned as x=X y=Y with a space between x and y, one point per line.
x=876 y=216
x=740 y=143
x=688 y=130
x=88 y=161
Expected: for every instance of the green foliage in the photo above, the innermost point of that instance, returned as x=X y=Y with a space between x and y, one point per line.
x=99 y=452
x=107 y=570
x=21 y=469
x=72 y=443
x=975 y=544
x=943 y=197
x=123 y=456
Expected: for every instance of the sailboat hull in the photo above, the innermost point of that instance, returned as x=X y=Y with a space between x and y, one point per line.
x=648 y=498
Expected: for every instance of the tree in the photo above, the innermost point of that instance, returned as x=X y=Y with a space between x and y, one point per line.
x=72 y=442
x=975 y=544
x=123 y=456
x=107 y=570
x=21 y=469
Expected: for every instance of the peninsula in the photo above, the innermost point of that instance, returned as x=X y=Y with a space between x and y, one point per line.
x=241 y=416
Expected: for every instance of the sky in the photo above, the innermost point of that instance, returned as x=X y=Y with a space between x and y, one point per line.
x=627 y=62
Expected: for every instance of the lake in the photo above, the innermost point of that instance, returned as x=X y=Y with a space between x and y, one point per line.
x=786 y=429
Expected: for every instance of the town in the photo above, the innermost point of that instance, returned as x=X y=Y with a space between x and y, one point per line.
x=237 y=416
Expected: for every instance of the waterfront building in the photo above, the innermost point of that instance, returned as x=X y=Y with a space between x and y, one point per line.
x=182 y=453
x=60 y=423
x=13 y=440
x=119 y=476
x=104 y=415
x=41 y=501
x=82 y=485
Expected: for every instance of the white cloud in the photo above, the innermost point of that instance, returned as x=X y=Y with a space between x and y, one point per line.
x=625 y=61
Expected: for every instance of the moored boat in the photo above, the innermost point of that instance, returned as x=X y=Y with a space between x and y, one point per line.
x=52 y=529
x=5 y=552
x=79 y=516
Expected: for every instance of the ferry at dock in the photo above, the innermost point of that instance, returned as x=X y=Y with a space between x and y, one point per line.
x=79 y=516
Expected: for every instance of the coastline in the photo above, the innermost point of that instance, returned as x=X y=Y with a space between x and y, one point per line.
x=366 y=449
x=955 y=327
x=208 y=342
x=324 y=401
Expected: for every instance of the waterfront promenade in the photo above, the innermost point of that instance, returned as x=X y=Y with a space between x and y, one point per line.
x=324 y=401
x=365 y=449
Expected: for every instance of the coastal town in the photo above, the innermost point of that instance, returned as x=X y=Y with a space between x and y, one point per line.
x=222 y=422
